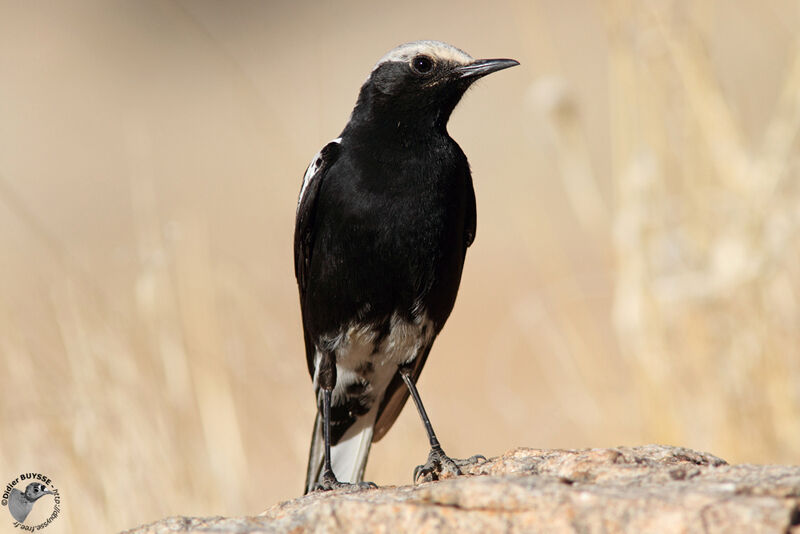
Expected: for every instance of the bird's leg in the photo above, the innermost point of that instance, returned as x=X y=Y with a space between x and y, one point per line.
x=327 y=381
x=328 y=478
x=438 y=462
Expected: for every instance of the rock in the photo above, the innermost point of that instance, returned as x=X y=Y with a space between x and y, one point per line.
x=652 y=488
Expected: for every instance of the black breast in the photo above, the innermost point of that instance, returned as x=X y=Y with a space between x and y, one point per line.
x=390 y=234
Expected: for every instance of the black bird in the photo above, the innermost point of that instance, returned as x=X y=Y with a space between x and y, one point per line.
x=385 y=215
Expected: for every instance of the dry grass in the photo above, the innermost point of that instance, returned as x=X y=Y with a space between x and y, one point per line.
x=634 y=279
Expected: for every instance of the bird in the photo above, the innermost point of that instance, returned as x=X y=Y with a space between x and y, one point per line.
x=384 y=218
x=20 y=504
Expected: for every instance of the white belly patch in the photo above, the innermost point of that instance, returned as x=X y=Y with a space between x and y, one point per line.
x=363 y=358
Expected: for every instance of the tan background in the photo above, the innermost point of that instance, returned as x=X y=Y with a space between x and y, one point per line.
x=635 y=276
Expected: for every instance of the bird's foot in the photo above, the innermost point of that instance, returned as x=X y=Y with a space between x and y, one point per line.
x=440 y=464
x=329 y=482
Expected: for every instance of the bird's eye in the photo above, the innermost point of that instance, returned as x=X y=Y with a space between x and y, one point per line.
x=422 y=64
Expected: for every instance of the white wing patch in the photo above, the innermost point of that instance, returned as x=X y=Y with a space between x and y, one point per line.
x=311 y=171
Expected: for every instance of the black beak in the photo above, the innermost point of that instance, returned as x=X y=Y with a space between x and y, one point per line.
x=482 y=67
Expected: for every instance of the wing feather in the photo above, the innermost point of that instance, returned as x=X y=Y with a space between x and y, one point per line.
x=471 y=220
x=306 y=210
x=304 y=225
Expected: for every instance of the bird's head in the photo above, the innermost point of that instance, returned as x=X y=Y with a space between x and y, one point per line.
x=421 y=81
x=36 y=490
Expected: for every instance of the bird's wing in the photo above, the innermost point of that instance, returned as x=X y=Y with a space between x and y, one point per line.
x=18 y=505
x=304 y=226
x=395 y=398
x=306 y=210
x=471 y=220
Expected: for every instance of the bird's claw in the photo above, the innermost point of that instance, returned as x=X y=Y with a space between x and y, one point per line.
x=439 y=464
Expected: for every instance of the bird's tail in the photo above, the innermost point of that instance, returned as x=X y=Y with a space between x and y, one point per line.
x=348 y=455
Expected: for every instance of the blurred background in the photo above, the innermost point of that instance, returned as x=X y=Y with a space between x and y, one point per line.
x=635 y=278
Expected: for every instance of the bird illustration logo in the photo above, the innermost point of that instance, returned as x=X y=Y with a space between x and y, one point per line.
x=21 y=503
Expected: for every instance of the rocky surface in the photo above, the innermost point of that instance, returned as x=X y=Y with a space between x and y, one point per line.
x=626 y=489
